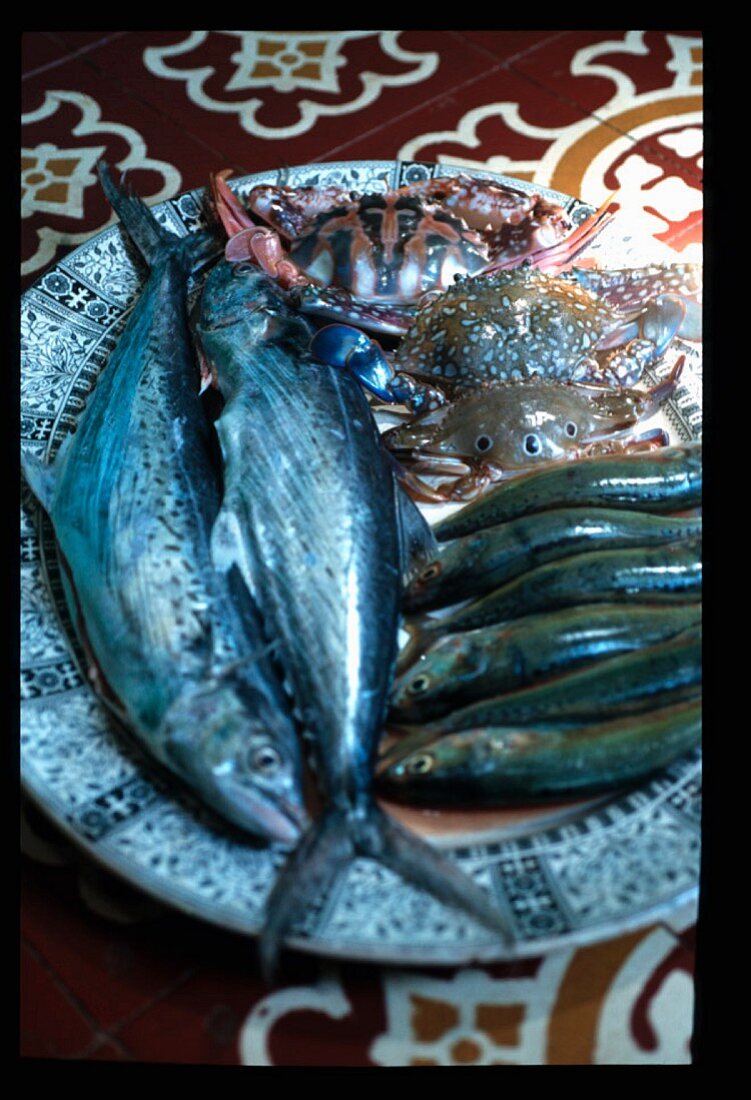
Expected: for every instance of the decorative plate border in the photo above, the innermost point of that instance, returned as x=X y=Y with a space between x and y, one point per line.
x=621 y=864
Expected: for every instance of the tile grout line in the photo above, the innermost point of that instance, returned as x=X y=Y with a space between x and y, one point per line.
x=103 y=1034
x=526 y=52
x=602 y=121
x=69 y=56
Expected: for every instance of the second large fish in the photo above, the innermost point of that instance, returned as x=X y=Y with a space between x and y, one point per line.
x=311 y=515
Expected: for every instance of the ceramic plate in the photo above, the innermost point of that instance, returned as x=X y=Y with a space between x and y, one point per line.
x=566 y=874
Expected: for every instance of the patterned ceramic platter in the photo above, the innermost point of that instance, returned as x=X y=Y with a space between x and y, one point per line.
x=567 y=874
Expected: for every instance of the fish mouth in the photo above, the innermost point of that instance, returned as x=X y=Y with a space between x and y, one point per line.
x=272 y=819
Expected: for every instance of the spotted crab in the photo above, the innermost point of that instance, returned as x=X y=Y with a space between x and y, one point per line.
x=581 y=325
x=508 y=428
x=369 y=258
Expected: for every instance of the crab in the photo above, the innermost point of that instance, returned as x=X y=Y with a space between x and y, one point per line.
x=583 y=325
x=501 y=430
x=369 y=258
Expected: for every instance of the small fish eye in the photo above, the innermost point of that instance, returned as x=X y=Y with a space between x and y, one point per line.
x=483 y=443
x=420 y=765
x=532 y=444
x=571 y=429
x=265 y=760
x=432 y=571
x=419 y=684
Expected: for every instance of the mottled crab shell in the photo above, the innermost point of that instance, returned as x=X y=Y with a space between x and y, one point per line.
x=388 y=247
x=506 y=326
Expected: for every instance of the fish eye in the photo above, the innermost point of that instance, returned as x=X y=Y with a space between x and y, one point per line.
x=571 y=429
x=265 y=760
x=419 y=684
x=432 y=571
x=242 y=268
x=483 y=443
x=532 y=444
x=421 y=764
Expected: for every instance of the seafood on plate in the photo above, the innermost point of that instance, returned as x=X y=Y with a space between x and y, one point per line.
x=369 y=258
x=489 y=766
x=668 y=574
x=668 y=671
x=133 y=493
x=310 y=516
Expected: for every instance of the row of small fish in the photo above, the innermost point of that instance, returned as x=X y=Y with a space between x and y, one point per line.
x=559 y=638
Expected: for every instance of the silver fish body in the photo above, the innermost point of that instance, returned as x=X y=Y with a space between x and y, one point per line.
x=132 y=496
x=311 y=515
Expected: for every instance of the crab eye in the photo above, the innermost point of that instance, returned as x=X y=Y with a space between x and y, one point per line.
x=265 y=760
x=420 y=765
x=418 y=685
x=483 y=443
x=571 y=429
x=432 y=571
x=532 y=444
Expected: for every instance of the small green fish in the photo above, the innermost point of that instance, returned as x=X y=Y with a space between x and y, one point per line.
x=459 y=669
x=630 y=682
x=478 y=563
x=669 y=574
x=492 y=766
x=665 y=480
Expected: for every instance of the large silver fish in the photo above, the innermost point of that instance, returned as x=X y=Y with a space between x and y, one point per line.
x=311 y=515
x=133 y=495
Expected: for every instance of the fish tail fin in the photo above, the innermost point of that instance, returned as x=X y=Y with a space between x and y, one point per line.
x=144 y=230
x=333 y=842
x=310 y=872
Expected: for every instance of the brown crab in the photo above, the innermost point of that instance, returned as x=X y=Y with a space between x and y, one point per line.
x=508 y=428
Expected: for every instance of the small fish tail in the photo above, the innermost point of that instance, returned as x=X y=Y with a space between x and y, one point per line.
x=333 y=843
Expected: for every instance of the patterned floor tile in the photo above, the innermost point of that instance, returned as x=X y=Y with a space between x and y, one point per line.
x=72 y=117
x=265 y=99
x=113 y=971
x=585 y=65
x=491 y=123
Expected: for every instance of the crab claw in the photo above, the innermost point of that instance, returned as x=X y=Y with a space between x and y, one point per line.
x=348 y=348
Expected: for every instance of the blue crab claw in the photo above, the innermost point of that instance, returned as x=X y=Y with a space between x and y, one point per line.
x=348 y=348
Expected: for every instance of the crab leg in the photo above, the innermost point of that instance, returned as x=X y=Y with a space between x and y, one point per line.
x=558 y=257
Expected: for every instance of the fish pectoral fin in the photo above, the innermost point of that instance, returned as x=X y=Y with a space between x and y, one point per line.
x=417 y=543
x=228 y=544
